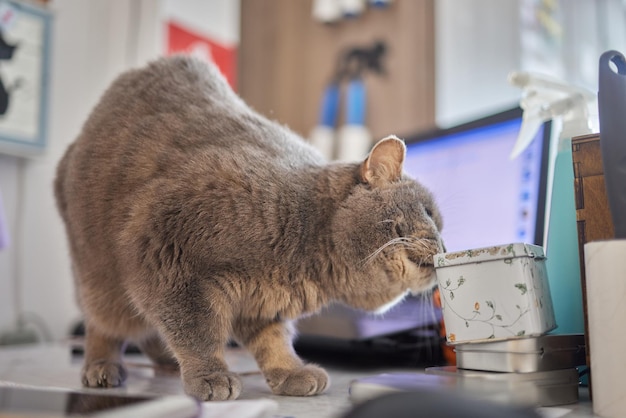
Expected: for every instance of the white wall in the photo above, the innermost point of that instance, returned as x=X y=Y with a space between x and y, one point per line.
x=479 y=42
x=93 y=41
x=8 y=189
x=476 y=46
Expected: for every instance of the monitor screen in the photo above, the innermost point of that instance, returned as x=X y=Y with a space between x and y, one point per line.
x=485 y=197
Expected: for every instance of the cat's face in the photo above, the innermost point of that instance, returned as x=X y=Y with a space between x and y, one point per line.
x=390 y=227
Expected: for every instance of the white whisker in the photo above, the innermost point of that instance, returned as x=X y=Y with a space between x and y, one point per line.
x=400 y=240
x=417 y=244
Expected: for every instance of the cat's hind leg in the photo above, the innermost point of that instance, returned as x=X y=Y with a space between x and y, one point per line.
x=109 y=322
x=103 y=359
x=271 y=345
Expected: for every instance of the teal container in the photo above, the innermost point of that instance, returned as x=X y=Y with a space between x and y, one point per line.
x=562 y=263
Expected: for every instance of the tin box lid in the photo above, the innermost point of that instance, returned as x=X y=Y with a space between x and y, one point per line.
x=497 y=252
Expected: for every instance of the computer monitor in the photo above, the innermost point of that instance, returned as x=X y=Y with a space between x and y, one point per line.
x=486 y=198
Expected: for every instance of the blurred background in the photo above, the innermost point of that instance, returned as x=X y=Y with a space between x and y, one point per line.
x=424 y=64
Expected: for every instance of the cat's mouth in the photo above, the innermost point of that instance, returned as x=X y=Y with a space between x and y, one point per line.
x=424 y=258
x=423 y=262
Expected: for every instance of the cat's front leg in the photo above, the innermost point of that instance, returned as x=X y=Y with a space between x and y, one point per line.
x=198 y=347
x=211 y=385
x=195 y=329
x=271 y=345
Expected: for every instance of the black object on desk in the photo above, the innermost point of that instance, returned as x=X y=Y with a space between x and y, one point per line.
x=611 y=107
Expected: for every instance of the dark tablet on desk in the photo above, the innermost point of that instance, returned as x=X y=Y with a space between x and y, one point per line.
x=50 y=403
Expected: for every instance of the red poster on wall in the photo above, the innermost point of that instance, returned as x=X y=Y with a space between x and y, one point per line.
x=181 y=39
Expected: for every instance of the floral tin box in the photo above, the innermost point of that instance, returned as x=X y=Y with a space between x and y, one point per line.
x=494 y=293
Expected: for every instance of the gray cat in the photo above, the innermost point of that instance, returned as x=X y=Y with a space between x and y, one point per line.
x=192 y=219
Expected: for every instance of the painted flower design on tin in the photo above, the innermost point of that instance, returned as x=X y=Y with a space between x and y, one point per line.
x=489 y=315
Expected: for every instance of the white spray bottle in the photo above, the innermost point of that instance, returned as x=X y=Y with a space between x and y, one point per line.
x=546 y=99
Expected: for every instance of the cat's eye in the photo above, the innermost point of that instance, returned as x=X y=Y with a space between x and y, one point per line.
x=429 y=212
x=399 y=230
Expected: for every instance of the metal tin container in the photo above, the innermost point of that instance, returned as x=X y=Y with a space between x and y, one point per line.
x=523 y=355
x=494 y=293
x=547 y=388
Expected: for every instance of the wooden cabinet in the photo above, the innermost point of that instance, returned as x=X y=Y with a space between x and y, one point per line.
x=286 y=58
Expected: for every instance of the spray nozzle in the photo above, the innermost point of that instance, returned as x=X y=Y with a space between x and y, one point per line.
x=545 y=98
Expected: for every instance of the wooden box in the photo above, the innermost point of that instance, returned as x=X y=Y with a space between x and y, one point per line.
x=592 y=206
x=593 y=215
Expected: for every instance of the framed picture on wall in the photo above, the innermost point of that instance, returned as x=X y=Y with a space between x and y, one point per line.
x=25 y=32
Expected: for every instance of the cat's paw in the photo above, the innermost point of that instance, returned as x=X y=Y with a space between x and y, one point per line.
x=305 y=381
x=103 y=374
x=217 y=386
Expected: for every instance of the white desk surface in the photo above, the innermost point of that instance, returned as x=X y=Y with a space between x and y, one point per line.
x=54 y=366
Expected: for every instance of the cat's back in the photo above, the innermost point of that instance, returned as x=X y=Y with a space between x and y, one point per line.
x=184 y=102
x=166 y=85
x=177 y=118
x=173 y=102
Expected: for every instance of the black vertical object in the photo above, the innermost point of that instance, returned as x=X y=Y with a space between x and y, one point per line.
x=612 y=112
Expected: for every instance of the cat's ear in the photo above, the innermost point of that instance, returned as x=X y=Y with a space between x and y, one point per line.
x=384 y=162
